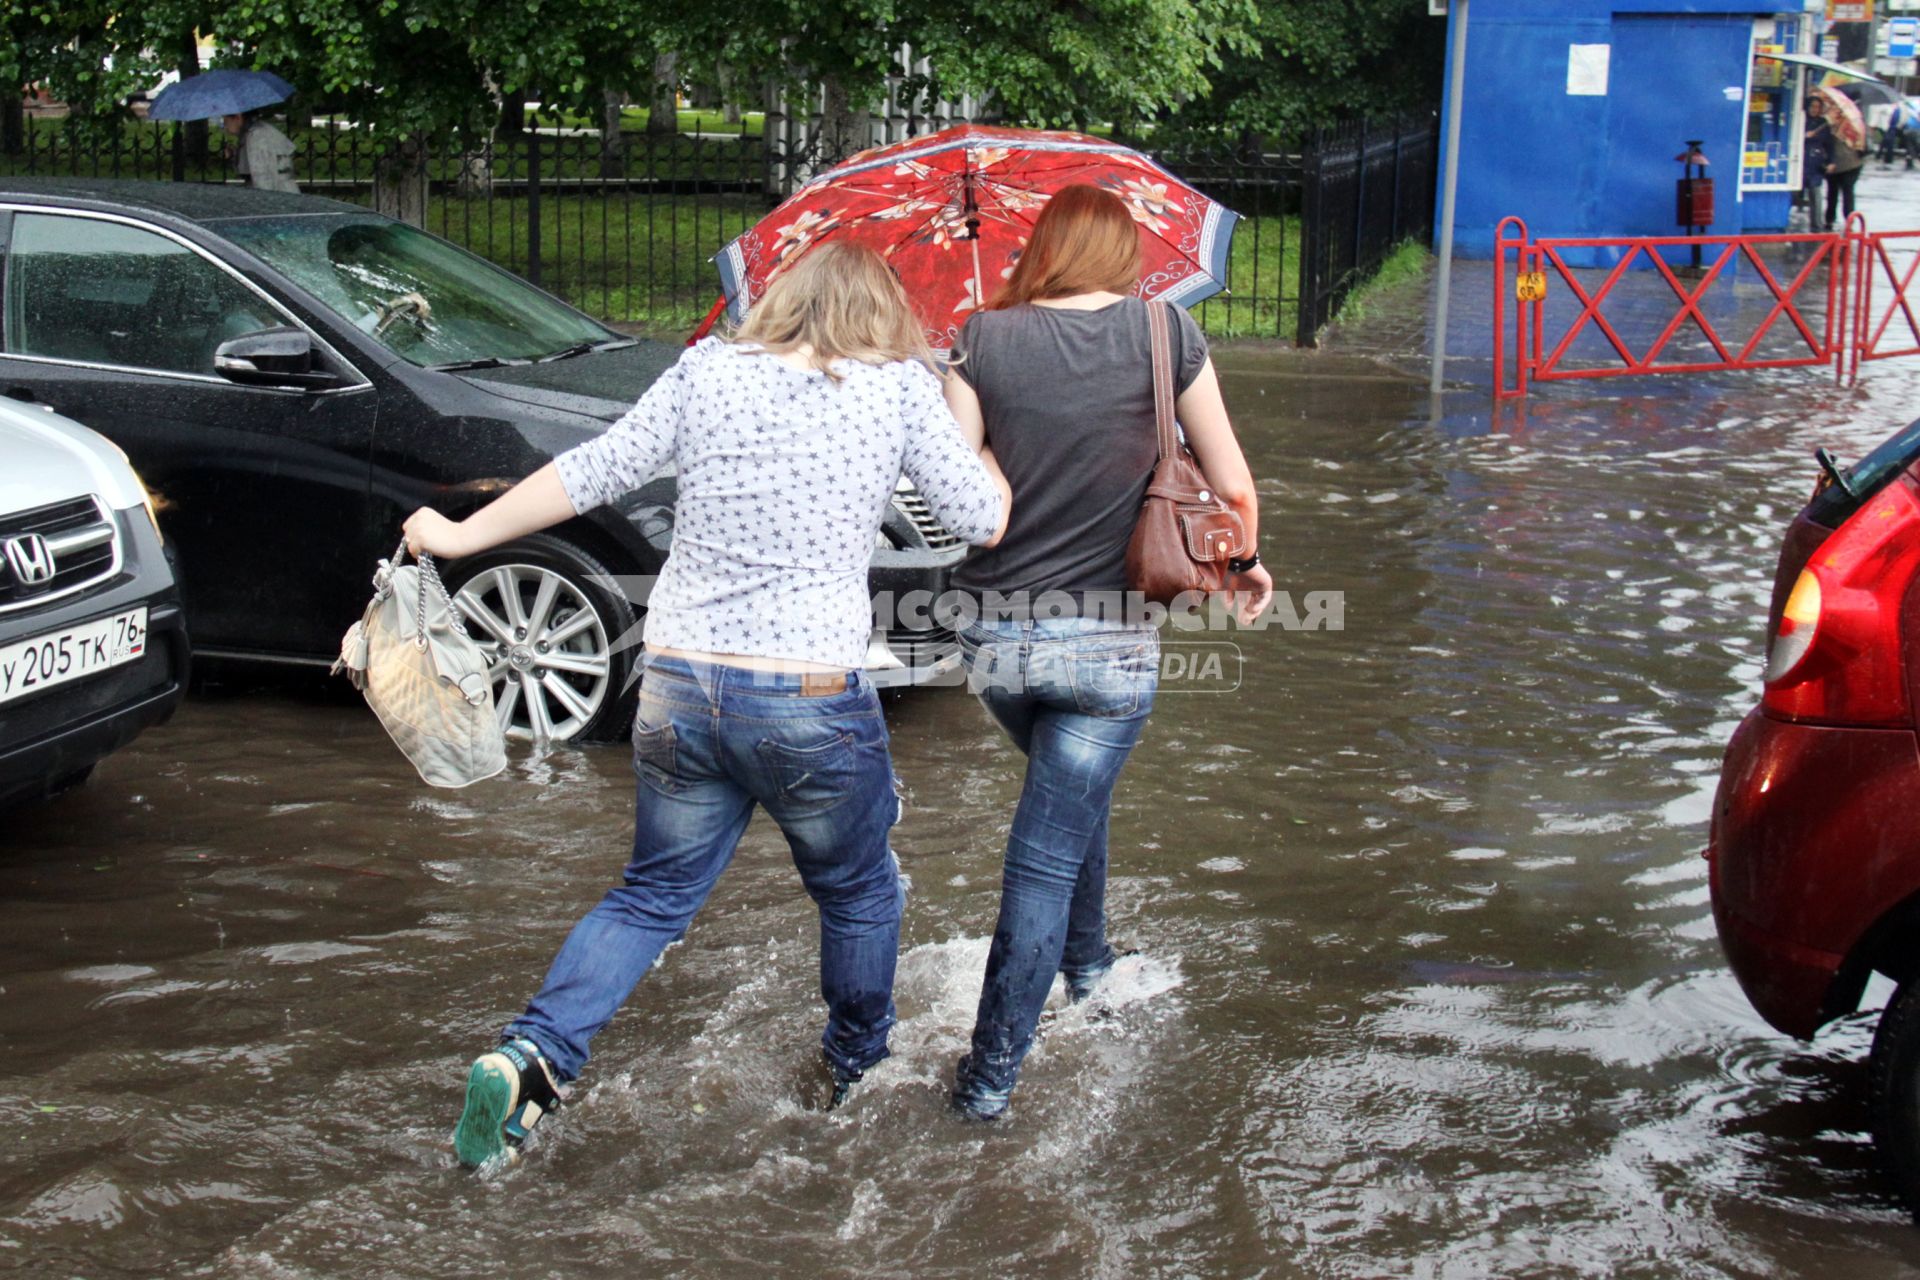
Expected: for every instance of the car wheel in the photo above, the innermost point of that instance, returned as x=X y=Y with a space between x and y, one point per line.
x=1894 y=1073
x=561 y=640
x=67 y=782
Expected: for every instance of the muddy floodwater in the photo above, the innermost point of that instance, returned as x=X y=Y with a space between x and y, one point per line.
x=1428 y=982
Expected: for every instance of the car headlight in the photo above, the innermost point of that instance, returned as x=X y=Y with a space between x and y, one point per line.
x=153 y=507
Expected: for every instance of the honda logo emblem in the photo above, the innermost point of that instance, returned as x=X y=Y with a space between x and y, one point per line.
x=30 y=559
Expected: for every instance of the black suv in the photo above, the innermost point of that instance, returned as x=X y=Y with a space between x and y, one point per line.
x=293 y=375
x=93 y=647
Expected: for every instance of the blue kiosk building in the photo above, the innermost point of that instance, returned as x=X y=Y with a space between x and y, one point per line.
x=1573 y=113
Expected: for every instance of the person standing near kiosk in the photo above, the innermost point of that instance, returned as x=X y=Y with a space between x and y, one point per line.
x=1816 y=155
x=1843 y=171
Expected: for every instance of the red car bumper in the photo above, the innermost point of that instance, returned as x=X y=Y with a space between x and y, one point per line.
x=1805 y=858
x=1786 y=982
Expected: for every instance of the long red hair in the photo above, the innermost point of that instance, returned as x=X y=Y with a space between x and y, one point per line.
x=1084 y=241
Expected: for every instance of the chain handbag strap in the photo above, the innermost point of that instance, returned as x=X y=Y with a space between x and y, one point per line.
x=429 y=576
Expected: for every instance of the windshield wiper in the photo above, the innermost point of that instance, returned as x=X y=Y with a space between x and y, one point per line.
x=482 y=362
x=586 y=348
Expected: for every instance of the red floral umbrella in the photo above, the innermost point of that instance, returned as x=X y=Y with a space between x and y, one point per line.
x=952 y=211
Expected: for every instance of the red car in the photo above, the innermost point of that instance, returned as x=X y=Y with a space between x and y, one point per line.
x=1815 y=846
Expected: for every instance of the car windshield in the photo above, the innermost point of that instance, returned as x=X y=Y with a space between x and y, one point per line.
x=425 y=299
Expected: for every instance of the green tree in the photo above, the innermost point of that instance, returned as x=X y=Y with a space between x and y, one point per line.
x=1095 y=60
x=411 y=72
x=93 y=54
x=1041 y=61
x=1321 y=60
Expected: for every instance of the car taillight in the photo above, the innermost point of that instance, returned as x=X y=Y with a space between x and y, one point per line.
x=1835 y=655
x=1798 y=621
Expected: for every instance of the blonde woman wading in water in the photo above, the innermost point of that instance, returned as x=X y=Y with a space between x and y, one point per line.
x=788 y=442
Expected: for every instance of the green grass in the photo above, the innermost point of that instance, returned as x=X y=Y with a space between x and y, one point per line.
x=1263 y=282
x=1407 y=263
x=638 y=259
x=635 y=120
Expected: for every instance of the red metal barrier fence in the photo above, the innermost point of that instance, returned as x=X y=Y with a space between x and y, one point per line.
x=1874 y=319
x=1829 y=298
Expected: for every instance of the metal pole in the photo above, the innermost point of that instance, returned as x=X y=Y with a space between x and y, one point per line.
x=1457 y=71
x=533 y=200
x=1873 y=39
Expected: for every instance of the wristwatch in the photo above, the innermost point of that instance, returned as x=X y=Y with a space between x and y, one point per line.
x=1241 y=566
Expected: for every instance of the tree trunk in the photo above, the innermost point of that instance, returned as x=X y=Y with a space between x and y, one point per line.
x=843 y=127
x=1252 y=146
x=195 y=131
x=729 y=103
x=13 y=123
x=613 y=147
x=400 y=181
x=475 y=179
x=476 y=172
x=663 y=118
x=513 y=113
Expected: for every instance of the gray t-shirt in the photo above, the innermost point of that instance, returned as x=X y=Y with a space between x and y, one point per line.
x=1068 y=401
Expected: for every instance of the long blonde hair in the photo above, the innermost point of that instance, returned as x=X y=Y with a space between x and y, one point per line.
x=842 y=301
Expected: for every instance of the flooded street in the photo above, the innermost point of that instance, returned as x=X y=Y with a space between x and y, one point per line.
x=1428 y=985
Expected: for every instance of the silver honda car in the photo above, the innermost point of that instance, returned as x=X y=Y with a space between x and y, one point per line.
x=93 y=645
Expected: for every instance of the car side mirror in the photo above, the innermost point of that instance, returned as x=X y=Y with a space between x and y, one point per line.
x=280 y=357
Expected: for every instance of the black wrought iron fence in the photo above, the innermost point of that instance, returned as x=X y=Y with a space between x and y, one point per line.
x=1366 y=187
x=626 y=227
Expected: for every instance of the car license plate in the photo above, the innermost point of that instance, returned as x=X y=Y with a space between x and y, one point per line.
x=73 y=654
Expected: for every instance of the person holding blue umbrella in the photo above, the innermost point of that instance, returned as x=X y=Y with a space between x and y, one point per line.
x=263 y=154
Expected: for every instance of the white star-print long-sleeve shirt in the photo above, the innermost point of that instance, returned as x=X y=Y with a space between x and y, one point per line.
x=785 y=476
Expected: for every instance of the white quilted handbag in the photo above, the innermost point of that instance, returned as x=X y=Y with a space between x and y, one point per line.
x=424 y=677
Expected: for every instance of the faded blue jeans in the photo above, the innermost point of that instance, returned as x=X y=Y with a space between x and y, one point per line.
x=1073 y=694
x=709 y=743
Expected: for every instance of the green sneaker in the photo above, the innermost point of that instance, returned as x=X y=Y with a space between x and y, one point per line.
x=843 y=1082
x=508 y=1091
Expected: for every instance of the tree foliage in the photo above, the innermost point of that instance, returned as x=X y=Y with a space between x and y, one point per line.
x=399 y=67
x=1040 y=61
x=1323 y=60
x=436 y=66
x=1115 y=60
x=432 y=67
x=93 y=54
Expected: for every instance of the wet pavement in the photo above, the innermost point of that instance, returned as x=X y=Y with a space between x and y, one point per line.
x=1428 y=983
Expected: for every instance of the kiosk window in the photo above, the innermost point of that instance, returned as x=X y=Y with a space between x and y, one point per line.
x=1770 y=156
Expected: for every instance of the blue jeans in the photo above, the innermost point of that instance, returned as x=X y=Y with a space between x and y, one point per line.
x=709 y=743
x=1073 y=694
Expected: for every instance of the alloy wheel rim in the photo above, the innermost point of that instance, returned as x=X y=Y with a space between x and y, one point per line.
x=546 y=648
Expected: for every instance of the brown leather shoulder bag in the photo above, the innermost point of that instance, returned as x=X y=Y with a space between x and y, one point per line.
x=1185 y=534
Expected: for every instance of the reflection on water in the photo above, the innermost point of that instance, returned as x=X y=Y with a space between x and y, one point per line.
x=1428 y=982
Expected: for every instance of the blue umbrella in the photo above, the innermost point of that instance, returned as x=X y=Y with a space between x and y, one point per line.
x=218 y=93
